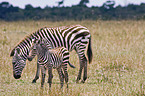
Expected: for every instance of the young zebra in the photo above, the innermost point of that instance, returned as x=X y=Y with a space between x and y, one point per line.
x=74 y=37
x=51 y=58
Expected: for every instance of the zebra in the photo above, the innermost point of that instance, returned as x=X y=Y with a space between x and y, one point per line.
x=48 y=58
x=74 y=37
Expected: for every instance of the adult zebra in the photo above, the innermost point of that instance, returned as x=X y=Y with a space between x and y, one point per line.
x=75 y=37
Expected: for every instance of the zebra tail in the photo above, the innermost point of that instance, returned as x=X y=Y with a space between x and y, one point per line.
x=71 y=65
x=89 y=51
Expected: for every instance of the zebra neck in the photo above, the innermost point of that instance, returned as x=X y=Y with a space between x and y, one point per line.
x=24 y=53
x=24 y=46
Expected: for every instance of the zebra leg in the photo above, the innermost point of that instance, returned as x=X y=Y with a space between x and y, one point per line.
x=61 y=76
x=37 y=73
x=80 y=73
x=43 y=72
x=83 y=64
x=84 y=61
x=65 y=74
x=50 y=76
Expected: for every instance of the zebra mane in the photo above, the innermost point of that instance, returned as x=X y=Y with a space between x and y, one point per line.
x=29 y=37
x=26 y=41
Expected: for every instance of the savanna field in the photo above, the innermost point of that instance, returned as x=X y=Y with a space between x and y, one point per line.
x=117 y=69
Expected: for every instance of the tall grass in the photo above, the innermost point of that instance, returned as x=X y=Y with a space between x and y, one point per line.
x=118 y=66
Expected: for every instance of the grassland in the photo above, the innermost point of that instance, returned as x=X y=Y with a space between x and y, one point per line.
x=117 y=69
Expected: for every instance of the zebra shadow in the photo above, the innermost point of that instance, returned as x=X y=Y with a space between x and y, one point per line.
x=71 y=83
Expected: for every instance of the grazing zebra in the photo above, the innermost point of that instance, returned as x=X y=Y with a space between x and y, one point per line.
x=48 y=58
x=75 y=37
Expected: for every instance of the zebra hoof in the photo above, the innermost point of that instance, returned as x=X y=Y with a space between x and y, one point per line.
x=34 y=81
x=77 y=81
x=82 y=81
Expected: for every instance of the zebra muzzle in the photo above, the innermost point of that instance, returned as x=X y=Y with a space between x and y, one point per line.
x=17 y=76
x=29 y=58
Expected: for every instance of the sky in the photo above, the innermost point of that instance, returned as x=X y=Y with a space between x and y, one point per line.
x=51 y=3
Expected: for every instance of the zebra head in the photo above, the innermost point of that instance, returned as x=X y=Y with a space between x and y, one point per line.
x=18 y=62
x=33 y=50
x=37 y=46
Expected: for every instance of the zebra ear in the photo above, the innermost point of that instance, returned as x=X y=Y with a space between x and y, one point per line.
x=34 y=39
x=44 y=40
x=39 y=41
x=12 y=52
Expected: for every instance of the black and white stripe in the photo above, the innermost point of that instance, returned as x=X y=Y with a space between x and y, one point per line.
x=48 y=58
x=71 y=37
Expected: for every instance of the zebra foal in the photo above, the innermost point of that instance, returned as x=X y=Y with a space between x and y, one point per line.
x=50 y=58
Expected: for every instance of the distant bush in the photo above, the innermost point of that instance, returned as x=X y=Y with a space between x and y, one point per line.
x=78 y=12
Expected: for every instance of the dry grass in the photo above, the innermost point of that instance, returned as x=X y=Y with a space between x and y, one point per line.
x=118 y=66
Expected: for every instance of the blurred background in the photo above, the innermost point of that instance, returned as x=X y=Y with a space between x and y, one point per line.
x=58 y=10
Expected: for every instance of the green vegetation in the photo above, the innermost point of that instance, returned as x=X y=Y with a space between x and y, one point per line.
x=118 y=66
x=107 y=11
